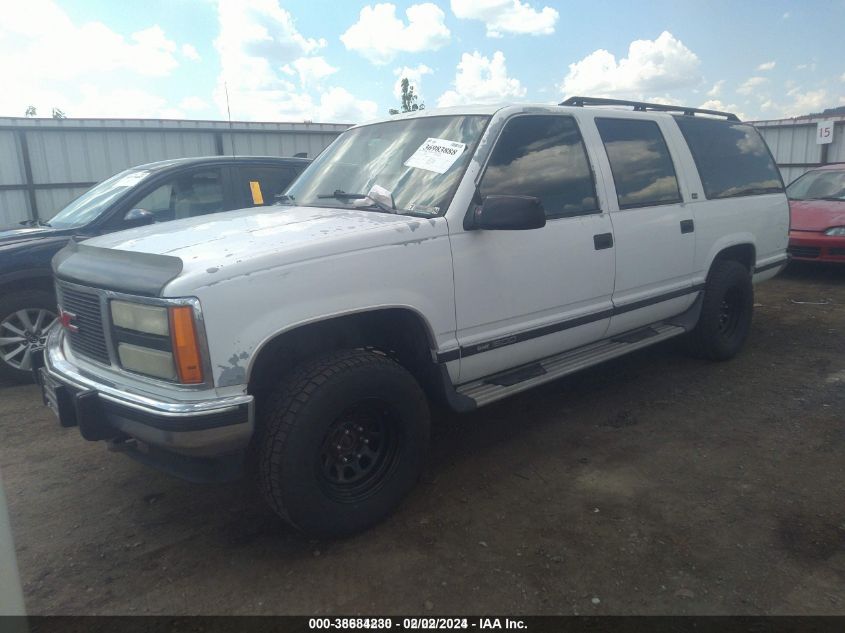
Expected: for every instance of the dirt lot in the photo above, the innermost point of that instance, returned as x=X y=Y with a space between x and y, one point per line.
x=652 y=484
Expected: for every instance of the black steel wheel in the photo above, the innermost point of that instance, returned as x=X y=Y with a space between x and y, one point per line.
x=726 y=311
x=343 y=440
x=360 y=451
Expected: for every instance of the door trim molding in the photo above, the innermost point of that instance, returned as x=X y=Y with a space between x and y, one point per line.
x=552 y=328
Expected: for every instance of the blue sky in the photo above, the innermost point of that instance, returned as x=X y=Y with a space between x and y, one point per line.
x=340 y=61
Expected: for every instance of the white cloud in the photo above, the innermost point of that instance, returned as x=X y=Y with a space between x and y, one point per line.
x=766 y=66
x=48 y=58
x=785 y=16
x=39 y=39
x=507 y=16
x=716 y=90
x=310 y=70
x=482 y=80
x=751 y=85
x=651 y=66
x=129 y=103
x=261 y=51
x=716 y=104
x=193 y=104
x=800 y=102
x=805 y=102
x=338 y=104
x=842 y=77
x=380 y=36
x=189 y=51
x=414 y=75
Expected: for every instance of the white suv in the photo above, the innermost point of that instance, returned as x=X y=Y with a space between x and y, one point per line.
x=461 y=254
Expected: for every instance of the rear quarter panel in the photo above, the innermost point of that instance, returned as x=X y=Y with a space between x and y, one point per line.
x=762 y=221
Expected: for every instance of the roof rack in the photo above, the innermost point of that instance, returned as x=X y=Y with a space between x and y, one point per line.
x=644 y=107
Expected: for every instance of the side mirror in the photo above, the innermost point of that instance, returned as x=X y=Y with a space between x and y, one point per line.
x=137 y=217
x=508 y=213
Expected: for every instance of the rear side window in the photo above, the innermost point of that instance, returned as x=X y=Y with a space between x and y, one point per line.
x=642 y=168
x=543 y=157
x=732 y=158
x=259 y=185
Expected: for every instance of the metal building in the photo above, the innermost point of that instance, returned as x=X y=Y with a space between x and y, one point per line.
x=45 y=163
x=793 y=143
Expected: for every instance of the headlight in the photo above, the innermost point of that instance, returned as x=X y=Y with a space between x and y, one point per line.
x=157 y=341
x=838 y=231
x=140 y=318
x=151 y=362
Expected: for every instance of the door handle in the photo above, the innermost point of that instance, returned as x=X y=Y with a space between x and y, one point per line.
x=603 y=240
x=687 y=226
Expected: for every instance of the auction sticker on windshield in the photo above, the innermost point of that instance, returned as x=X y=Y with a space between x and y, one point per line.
x=436 y=155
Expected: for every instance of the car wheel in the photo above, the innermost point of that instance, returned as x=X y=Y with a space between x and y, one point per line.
x=25 y=317
x=726 y=311
x=344 y=440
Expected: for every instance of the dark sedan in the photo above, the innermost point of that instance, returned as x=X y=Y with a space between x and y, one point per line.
x=156 y=192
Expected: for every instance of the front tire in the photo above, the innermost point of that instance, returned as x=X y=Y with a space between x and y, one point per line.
x=344 y=440
x=25 y=317
x=726 y=312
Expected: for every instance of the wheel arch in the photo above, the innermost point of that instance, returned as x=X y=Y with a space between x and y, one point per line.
x=741 y=249
x=399 y=331
x=36 y=279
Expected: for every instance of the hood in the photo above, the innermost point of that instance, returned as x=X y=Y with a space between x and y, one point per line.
x=816 y=215
x=27 y=236
x=225 y=245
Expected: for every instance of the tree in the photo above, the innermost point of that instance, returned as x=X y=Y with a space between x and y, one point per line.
x=58 y=114
x=409 y=99
x=30 y=111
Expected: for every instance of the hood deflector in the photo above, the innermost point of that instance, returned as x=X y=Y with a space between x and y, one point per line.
x=143 y=274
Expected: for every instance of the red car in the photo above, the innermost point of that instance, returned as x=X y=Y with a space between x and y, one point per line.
x=817 y=215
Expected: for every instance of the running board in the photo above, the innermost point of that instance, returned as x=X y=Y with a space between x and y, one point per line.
x=501 y=385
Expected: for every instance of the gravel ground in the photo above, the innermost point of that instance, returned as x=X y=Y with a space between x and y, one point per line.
x=649 y=485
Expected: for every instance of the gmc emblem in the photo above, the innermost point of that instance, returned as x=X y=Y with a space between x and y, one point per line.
x=66 y=319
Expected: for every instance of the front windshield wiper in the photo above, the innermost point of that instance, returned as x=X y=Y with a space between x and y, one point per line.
x=376 y=205
x=34 y=223
x=342 y=195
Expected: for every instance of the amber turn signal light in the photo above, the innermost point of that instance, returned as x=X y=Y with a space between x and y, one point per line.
x=185 y=346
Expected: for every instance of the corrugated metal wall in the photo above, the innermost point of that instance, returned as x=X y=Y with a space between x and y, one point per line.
x=46 y=163
x=793 y=143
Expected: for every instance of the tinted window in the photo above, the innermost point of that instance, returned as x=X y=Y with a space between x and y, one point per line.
x=639 y=159
x=185 y=196
x=544 y=157
x=732 y=158
x=260 y=185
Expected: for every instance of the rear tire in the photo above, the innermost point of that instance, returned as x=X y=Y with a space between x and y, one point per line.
x=344 y=440
x=25 y=316
x=726 y=312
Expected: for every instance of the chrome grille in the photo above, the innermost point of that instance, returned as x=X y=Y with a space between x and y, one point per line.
x=90 y=339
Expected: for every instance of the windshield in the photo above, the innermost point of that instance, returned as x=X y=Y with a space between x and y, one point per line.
x=416 y=162
x=818 y=185
x=93 y=202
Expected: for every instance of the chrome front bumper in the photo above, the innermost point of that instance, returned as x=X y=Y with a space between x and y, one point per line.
x=106 y=410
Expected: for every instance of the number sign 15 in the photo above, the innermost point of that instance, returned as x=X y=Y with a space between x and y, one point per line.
x=824 y=133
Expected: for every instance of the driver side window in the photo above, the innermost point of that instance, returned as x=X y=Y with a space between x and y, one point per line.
x=185 y=196
x=543 y=156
